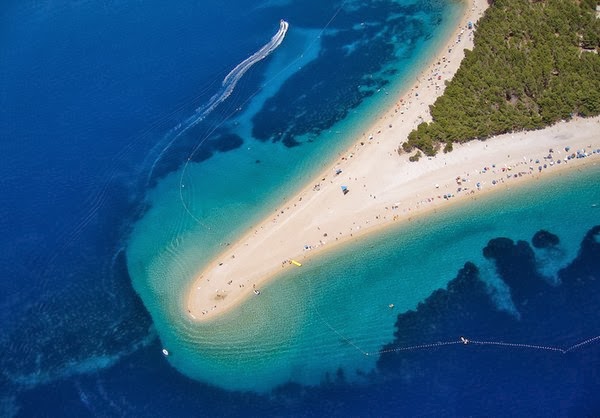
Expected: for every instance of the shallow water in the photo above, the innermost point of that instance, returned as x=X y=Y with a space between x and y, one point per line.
x=100 y=239
x=199 y=208
x=335 y=309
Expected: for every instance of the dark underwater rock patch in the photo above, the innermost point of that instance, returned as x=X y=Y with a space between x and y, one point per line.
x=544 y=239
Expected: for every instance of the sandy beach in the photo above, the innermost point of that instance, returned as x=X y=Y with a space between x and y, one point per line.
x=383 y=188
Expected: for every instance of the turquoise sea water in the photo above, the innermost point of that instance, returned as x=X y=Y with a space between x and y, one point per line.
x=104 y=120
x=196 y=209
x=334 y=310
x=331 y=313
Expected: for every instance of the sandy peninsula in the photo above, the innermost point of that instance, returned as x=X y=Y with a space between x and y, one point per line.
x=384 y=188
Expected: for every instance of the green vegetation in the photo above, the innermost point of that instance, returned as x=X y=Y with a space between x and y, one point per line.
x=534 y=63
x=416 y=157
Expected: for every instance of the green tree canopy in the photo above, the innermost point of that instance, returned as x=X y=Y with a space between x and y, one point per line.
x=533 y=64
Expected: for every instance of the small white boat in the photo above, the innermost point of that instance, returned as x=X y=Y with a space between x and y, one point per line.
x=165 y=351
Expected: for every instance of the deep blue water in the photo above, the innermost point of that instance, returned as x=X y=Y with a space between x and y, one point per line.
x=90 y=93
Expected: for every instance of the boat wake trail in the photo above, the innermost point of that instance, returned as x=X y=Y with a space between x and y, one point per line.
x=227 y=87
x=231 y=79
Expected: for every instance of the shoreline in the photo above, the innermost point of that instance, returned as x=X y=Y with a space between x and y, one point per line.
x=384 y=189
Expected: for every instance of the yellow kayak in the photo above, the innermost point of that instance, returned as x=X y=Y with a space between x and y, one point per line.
x=294 y=262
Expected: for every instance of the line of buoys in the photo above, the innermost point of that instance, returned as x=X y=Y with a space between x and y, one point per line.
x=465 y=341
x=462 y=340
x=519 y=345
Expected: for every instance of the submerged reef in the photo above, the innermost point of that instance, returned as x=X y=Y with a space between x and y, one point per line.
x=458 y=337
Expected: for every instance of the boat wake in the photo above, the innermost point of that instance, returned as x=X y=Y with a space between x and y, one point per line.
x=231 y=79
x=227 y=87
